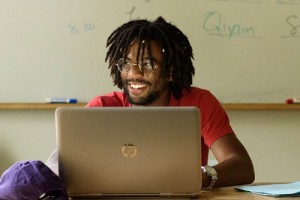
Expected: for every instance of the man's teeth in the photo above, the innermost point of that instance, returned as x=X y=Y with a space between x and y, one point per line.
x=137 y=86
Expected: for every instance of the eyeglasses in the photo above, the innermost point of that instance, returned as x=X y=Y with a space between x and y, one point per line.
x=145 y=66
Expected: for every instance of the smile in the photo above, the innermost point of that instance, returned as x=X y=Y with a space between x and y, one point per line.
x=137 y=86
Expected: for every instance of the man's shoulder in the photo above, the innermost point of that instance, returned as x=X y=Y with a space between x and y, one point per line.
x=110 y=99
x=196 y=92
x=196 y=96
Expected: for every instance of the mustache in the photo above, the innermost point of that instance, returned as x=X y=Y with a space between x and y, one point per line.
x=137 y=80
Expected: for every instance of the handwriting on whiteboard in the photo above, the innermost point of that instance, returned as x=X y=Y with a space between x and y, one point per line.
x=130 y=13
x=288 y=1
x=294 y=23
x=76 y=29
x=214 y=25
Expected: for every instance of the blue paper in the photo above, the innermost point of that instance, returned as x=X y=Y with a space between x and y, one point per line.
x=276 y=190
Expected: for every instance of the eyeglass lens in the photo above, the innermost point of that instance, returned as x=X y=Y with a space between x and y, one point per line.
x=124 y=65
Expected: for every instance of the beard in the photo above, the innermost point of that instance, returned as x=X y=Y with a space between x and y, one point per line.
x=142 y=101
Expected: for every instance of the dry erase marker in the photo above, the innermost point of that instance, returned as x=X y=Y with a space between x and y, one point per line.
x=293 y=100
x=61 y=100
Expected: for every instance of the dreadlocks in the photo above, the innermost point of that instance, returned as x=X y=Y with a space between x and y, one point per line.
x=177 y=51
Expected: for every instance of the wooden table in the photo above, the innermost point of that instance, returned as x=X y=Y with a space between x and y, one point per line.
x=226 y=193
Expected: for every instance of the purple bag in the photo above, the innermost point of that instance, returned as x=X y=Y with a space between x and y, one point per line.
x=31 y=180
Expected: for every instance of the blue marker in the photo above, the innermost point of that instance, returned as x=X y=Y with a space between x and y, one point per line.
x=61 y=100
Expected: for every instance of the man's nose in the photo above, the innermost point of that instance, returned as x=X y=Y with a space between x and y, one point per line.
x=135 y=71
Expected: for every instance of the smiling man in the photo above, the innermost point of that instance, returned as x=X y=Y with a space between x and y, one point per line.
x=151 y=61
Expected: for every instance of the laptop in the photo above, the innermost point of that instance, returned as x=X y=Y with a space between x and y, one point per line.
x=129 y=151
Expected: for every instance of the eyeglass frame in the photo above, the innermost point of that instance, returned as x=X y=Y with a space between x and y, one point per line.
x=148 y=62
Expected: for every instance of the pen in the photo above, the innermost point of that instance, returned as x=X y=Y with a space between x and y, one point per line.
x=293 y=100
x=61 y=100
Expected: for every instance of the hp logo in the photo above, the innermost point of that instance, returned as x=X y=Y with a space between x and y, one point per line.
x=129 y=150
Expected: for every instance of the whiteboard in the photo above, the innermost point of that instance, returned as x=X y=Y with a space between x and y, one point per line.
x=245 y=50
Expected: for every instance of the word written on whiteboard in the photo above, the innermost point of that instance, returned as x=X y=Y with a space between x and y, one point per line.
x=241 y=1
x=130 y=13
x=288 y=1
x=76 y=29
x=214 y=25
x=293 y=22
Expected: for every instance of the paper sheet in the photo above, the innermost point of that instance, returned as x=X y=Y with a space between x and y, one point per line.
x=276 y=190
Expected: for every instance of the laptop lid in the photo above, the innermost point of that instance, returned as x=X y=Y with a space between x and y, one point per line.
x=136 y=151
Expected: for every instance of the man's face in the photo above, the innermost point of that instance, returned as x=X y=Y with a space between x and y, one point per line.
x=146 y=88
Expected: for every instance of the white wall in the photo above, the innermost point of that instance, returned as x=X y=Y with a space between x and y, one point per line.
x=271 y=137
x=25 y=135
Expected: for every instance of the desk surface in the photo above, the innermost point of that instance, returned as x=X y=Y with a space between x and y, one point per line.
x=229 y=193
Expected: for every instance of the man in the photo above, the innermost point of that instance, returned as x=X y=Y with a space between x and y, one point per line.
x=152 y=63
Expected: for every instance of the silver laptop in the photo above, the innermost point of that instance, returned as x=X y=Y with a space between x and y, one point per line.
x=130 y=152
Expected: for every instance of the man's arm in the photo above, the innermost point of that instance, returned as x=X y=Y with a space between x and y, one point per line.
x=235 y=166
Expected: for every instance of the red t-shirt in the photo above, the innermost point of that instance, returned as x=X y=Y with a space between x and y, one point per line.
x=214 y=120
